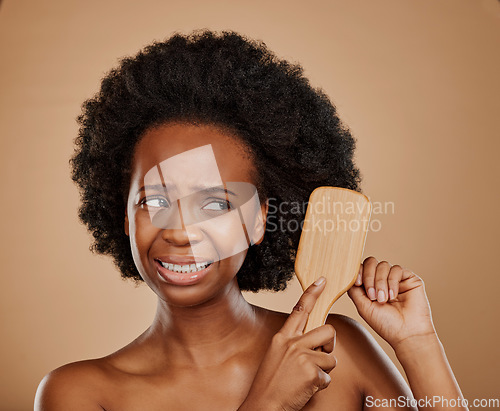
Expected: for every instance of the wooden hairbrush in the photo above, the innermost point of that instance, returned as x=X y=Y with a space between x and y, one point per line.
x=331 y=245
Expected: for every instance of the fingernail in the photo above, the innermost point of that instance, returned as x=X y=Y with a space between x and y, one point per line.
x=391 y=295
x=358 y=280
x=371 y=293
x=319 y=281
x=381 y=296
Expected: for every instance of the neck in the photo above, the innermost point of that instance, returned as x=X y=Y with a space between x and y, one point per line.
x=206 y=334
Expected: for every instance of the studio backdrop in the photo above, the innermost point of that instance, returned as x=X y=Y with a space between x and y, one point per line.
x=417 y=83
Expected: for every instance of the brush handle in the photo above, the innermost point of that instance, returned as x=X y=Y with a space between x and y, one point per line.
x=320 y=311
x=316 y=319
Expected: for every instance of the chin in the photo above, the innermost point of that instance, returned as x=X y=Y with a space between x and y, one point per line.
x=193 y=295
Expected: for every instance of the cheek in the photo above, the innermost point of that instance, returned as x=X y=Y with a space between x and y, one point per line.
x=141 y=234
x=230 y=266
x=225 y=233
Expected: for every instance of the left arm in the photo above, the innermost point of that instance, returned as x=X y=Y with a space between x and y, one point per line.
x=392 y=301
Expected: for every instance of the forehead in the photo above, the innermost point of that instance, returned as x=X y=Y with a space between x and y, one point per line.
x=186 y=147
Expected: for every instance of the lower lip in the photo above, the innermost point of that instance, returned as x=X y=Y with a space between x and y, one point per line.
x=176 y=278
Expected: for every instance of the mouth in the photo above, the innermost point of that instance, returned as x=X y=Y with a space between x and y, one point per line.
x=182 y=271
x=184 y=268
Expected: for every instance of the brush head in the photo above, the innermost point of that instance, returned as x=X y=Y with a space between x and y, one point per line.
x=331 y=245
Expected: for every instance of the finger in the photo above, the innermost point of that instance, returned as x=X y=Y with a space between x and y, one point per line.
x=327 y=362
x=407 y=274
x=393 y=281
x=360 y=299
x=409 y=281
x=328 y=347
x=369 y=268
x=359 y=279
x=318 y=337
x=324 y=379
x=297 y=320
x=381 y=275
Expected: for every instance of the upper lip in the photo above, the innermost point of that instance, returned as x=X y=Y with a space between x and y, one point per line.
x=183 y=259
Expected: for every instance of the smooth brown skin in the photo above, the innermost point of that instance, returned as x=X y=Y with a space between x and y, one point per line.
x=207 y=348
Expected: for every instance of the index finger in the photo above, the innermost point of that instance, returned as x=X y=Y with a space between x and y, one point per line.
x=296 y=321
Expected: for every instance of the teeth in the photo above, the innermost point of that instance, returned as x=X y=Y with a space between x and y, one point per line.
x=187 y=268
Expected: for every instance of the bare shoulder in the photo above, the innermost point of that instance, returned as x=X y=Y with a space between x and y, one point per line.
x=75 y=386
x=356 y=336
x=374 y=371
x=358 y=345
x=360 y=358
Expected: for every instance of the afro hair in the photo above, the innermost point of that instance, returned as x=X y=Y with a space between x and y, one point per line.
x=223 y=79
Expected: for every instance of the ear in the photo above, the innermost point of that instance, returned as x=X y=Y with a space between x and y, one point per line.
x=260 y=224
x=126 y=224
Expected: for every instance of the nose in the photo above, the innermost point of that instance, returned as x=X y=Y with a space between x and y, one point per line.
x=181 y=234
x=177 y=236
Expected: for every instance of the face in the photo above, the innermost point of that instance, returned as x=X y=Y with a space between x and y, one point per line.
x=192 y=211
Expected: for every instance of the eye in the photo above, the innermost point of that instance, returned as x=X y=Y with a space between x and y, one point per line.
x=217 y=205
x=155 y=202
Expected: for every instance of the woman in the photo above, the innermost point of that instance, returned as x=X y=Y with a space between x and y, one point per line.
x=179 y=157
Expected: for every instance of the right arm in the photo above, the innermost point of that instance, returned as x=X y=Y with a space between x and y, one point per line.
x=296 y=365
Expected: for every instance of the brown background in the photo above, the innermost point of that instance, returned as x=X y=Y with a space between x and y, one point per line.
x=416 y=81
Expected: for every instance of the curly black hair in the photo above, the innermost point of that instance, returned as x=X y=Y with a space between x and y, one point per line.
x=227 y=80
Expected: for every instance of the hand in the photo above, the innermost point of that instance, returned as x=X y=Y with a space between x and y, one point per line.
x=392 y=301
x=296 y=365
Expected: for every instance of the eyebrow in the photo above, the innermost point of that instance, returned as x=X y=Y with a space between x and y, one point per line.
x=213 y=189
